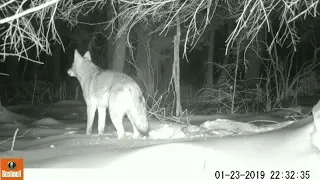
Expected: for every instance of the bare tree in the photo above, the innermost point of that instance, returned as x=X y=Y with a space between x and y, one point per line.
x=20 y=34
x=176 y=68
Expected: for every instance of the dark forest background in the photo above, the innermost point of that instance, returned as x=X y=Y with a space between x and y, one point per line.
x=235 y=62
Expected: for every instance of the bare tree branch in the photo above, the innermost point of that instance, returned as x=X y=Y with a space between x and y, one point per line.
x=254 y=14
x=23 y=13
x=34 y=26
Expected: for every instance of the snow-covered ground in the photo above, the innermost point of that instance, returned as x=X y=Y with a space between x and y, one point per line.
x=172 y=150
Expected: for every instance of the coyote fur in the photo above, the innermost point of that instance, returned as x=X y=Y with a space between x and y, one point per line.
x=117 y=91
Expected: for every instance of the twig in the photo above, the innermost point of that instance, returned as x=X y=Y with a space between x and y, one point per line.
x=4 y=74
x=14 y=138
x=34 y=87
x=16 y=16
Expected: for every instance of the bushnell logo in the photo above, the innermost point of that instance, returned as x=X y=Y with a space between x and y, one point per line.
x=12 y=165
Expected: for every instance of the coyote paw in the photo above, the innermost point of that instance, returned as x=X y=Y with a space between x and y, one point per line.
x=137 y=135
x=100 y=133
x=121 y=136
x=88 y=132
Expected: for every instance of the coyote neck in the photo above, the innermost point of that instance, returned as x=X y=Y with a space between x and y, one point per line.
x=88 y=72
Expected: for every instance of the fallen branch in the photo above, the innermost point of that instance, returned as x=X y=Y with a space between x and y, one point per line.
x=14 y=138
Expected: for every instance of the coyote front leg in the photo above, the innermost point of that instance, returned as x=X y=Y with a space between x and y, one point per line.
x=101 y=120
x=91 y=110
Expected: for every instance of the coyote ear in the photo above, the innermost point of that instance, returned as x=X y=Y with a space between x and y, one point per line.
x=76 y=54
x=87 y=55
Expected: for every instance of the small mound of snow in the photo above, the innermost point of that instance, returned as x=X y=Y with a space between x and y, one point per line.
x=216 y=128
x=47 y=121
x=70 y=132
x=192 y=129
x=276 y=126
x=225 y=127
x=72 y=128
x=167 y=131
x=233 y=126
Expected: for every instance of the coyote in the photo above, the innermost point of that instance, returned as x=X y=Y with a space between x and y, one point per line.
x=117 y=91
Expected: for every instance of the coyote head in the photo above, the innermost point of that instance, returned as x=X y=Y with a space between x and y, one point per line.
x=77 y=62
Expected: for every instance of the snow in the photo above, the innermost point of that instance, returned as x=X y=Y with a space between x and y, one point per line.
x=172 y=151
x=47 y=121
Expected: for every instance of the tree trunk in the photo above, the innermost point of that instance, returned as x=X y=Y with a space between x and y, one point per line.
x=12 y=66
x=162 y=56
x=226 y=58
x=252 y=74
x=209 y=83
x=176 y=68
x=56 y=64
x=24 y=71
x=145 y=70
x=107 y=63
x=120 y=50
x=110 y=52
